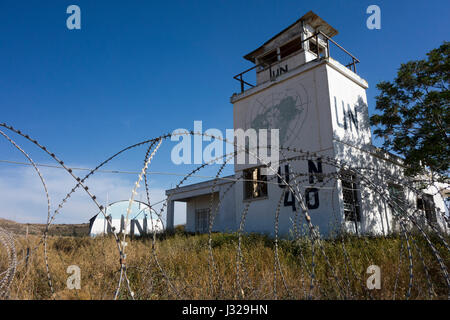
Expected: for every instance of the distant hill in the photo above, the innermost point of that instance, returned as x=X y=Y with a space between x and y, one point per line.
x=77 y=230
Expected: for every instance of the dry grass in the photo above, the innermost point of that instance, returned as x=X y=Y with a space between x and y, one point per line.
x=75 y=230
x=184 y=260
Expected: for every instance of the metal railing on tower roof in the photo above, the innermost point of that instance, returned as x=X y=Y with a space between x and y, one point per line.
x=352 y=65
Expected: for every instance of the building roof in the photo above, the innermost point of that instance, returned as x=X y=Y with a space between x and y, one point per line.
x=310 y=18
x=201 y=185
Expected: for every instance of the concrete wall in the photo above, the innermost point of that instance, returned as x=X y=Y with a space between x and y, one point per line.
x=224 y=217
x=310 y=129
x=319 y=107
x=331 y=118
x=440 y=207
x=321 y=197
x=286 y=64
x=297 y=105
x=376 y=174
x=348 y=106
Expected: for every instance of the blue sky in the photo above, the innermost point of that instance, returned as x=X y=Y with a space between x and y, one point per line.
x=138 y=69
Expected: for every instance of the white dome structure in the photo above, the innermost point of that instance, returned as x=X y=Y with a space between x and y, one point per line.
x=141 y=220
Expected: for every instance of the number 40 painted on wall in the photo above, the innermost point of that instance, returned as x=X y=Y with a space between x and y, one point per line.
x=311 y=194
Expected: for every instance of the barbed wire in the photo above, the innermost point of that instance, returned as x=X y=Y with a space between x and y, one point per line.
x=306 y=234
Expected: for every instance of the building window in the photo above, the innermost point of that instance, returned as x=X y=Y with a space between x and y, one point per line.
x=313 y=48
x=202 y=220
x=446 y=210
x=269 y=58
x=425 y=203
x=351 y=196
x=290 y=47
x=255 y=184
x=397 y=194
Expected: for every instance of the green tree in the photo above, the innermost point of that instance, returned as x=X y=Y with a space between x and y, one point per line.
x=414 y=117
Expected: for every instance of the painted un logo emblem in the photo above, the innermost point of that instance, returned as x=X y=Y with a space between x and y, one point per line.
x=285 y=110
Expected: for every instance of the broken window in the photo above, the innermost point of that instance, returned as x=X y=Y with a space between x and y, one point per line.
x=255 y=184
x=290 y=47
x=351 y=196
x=425 y=203
x=202 y=220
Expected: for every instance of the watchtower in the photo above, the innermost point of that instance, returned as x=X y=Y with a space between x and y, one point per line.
x=318 y=104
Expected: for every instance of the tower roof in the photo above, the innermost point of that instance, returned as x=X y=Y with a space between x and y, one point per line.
x=292 y=31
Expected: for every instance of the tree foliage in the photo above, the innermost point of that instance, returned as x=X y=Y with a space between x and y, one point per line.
x=414 y=117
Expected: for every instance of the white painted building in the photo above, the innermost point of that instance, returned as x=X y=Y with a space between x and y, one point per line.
x=141 y=220
x=320 y=106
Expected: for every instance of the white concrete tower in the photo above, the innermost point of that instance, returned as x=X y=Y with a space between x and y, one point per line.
x=318 y=105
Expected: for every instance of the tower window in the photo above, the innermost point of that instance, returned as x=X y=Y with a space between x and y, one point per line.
x=313 y=48
x=351 y=196
x=202 y=220
x=290 y=47
x=269 y=58
x=255 y=184
x=425 y=203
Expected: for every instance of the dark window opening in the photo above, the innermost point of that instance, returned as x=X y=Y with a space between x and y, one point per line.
x=351 y=195
x=447 y=210
x=425 y=203
x=290 y=47
x=397 y=195
x=202 y=220
x=313 y=48
x=255 y=184
x=269 y=58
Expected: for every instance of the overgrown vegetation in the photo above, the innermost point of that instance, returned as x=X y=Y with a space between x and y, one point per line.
x=184 y=260
x=414 y=119
x=73 y=230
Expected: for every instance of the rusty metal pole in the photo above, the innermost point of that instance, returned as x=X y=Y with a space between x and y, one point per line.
x=328 y=48
x=242 y=83
x=317 y=45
